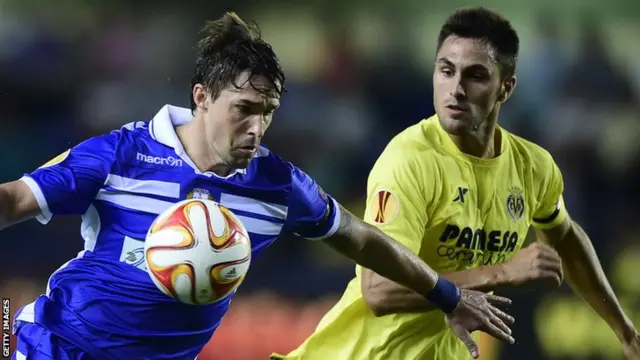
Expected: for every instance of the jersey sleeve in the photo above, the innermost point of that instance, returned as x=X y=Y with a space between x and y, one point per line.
x=68 y=183
x=397 y=199
x=312 y=213
x=551 y=211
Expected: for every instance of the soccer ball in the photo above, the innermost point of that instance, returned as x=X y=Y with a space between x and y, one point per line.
x=197 y=252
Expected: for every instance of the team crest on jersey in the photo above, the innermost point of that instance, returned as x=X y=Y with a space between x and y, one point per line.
x=56 y=160
x=135 y=257
x=384 y=207
x=201 y=194
x=515 y=204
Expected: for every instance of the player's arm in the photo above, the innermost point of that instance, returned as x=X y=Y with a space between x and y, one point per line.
x=535 y=263
x=386 y=297
x=65 y=185
x=317 y=216
x=579 y=260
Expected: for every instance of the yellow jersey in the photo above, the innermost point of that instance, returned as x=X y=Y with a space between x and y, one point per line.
x=453 y=210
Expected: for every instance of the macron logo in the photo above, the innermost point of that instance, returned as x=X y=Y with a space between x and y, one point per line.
x=170 y=161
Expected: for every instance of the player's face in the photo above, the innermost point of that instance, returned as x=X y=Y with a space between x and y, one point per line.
x=467 y=84
x=238 y=118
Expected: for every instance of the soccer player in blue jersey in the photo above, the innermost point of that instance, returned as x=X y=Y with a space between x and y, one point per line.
x=103 y=305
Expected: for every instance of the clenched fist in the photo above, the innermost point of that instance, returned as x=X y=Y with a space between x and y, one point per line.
x=536 y=263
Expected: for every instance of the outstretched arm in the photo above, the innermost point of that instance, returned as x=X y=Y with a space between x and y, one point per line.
x=467 y=310
x=387 y=297
x=371 y=248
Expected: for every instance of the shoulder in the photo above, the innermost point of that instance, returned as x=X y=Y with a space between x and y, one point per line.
x=538 y=163
x=411 y=152
x=135 y=142
x=136 y=132
x=271 y=168
x=113 y=139
x=531 y=154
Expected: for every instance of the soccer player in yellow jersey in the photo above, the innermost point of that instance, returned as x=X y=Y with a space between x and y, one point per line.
x=461 y=192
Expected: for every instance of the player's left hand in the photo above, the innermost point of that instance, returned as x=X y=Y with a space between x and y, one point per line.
x=631 y=347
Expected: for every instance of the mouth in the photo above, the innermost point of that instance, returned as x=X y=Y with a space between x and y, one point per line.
x=248 y=149
x=456 y=110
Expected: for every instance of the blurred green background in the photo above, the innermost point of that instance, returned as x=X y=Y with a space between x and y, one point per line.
x=358 y=72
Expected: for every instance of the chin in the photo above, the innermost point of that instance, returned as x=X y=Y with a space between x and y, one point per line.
x=456 y=127
x=241 y=163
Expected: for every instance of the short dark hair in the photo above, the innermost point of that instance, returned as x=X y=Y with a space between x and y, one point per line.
x=229 y=47
x=489 y=26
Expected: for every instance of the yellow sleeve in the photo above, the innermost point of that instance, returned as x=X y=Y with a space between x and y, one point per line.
x=551 y=211
x=397 y=193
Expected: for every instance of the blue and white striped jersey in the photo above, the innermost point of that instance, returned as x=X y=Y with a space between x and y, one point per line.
x=104 y=300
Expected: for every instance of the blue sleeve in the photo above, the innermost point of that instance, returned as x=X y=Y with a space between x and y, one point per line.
x=68 y=183
x=312 y=213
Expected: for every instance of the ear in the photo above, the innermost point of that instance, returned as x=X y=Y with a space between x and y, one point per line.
x=200 y=95
x=508 y=85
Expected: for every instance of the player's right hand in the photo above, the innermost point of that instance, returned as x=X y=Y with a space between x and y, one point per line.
x=536 y=262
x=478 y=311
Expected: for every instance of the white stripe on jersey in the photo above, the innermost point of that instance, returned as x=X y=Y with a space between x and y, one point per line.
x=235 y=202
x=134 y=202
x=90 y=228
x=154 y=206
x=45 y=214
x=154 y=187
x=260 y=227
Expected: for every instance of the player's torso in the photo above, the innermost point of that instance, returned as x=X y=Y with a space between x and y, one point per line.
x=482 y=215
x=478 y=213
x=146 y=178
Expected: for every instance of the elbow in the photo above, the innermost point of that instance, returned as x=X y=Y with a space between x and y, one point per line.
x=5 y=209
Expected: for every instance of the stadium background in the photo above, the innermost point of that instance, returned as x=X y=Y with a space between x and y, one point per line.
x=358 y=72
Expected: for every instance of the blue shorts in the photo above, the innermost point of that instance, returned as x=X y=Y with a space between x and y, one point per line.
x=37 y=343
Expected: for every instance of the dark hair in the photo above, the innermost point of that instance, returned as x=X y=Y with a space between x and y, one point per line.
x=489 y=26
x=228 y=48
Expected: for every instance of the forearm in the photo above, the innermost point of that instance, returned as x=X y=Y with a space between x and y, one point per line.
x=372 y=249
x=585 y=275
x=386 y=297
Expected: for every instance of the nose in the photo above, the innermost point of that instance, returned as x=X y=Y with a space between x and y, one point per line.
x=458 y=91
x=256 y=126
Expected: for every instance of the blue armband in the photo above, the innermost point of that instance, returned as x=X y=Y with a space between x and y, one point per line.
x=445 y=295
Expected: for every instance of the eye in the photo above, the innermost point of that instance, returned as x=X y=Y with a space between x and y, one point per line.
x=243 y=109
x=447 y=72
x=478 y=76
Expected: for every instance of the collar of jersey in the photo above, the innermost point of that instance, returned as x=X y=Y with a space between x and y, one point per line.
x=162 y=129
x=451 y=148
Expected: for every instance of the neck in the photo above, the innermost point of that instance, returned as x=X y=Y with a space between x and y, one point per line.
x=205 y=157
x=482 y=142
